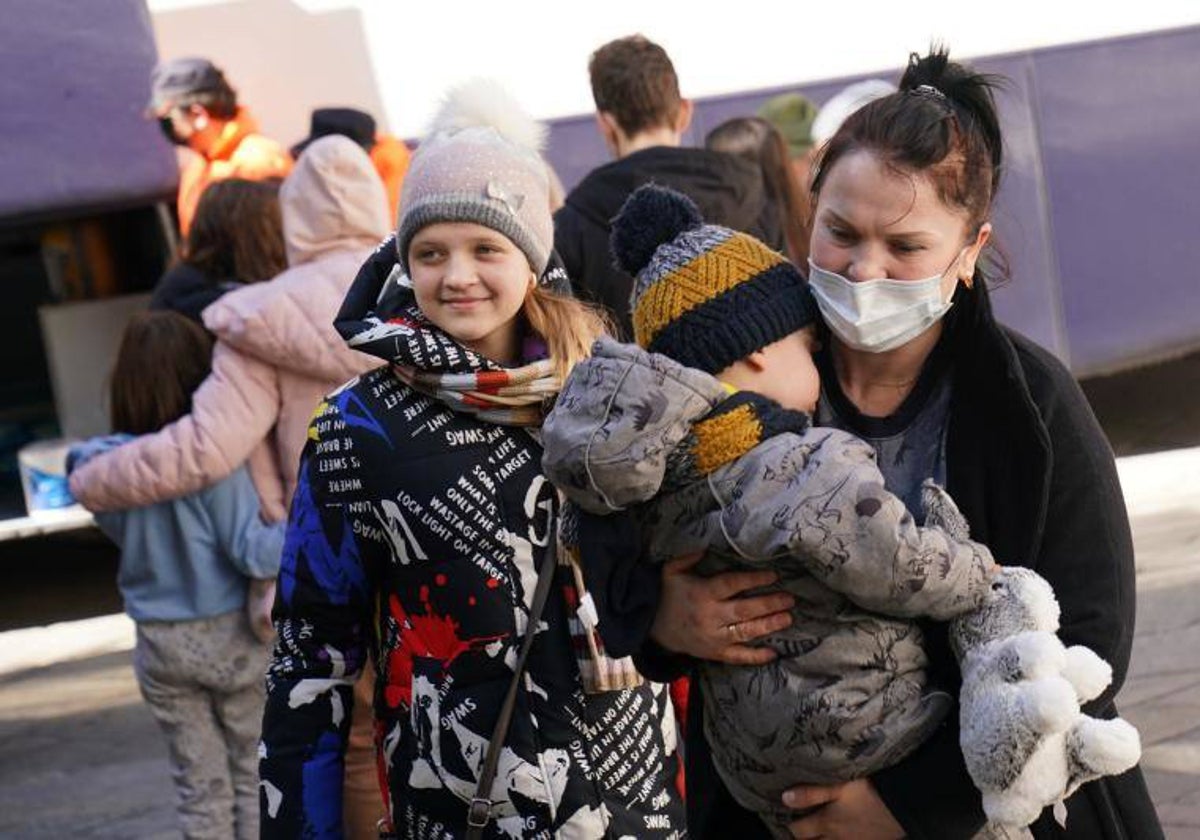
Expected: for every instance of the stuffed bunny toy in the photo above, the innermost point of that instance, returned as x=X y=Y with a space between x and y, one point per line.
x=1026 y=743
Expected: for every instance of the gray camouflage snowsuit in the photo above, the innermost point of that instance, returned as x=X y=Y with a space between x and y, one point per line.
x=754 y=485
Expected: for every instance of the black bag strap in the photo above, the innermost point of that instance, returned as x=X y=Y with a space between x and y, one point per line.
x=480 y=812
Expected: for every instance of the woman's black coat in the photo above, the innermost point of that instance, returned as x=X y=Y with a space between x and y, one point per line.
x=1032 y=471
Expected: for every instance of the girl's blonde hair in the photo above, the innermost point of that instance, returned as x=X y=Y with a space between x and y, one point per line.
x=567 y=325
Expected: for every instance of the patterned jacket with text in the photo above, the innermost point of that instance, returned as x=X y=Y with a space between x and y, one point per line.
x=416 y=532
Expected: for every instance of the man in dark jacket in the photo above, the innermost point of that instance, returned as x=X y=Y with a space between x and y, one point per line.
x=642 y=118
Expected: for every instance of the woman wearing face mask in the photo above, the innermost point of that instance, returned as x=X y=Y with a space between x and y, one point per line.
x=916 y=364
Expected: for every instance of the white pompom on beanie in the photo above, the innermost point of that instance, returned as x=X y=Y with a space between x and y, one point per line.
x=480 y=162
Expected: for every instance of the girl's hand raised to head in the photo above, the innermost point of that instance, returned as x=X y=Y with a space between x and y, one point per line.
x=705 y=618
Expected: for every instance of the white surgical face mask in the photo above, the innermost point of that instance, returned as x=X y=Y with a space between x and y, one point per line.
x=877 y=315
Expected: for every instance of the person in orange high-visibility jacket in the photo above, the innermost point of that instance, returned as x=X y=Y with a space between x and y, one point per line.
x=198 y=110
x=390 y=156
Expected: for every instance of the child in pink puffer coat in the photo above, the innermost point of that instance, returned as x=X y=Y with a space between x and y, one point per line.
x=276 y=355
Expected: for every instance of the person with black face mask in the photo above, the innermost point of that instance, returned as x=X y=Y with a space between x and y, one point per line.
x=197 y=109
x=166 y=125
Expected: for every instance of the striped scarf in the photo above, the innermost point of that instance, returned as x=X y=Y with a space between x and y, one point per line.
x=507 y=397
x=598 y=670
x=429 y=361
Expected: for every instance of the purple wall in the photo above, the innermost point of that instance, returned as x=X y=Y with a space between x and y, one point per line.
x=1120 y=126
x=1100 y=195
x=74 y=78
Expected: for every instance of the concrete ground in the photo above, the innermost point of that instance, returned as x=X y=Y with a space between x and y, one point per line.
x=1161 y=695
x=81 y=757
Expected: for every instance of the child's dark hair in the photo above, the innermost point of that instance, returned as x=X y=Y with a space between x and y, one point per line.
x=163 y=358
x=942 y=124
x=237 y=232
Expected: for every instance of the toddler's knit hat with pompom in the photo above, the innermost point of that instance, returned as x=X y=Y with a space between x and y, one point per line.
x=480 y=162
x=704 y=295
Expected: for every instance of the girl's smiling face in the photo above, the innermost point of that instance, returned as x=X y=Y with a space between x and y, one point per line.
x=471 y=282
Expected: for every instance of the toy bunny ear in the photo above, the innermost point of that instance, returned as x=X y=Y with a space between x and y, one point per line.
x=966 y=632
x=942 y=512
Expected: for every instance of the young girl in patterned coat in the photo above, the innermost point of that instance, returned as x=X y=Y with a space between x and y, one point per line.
x=419 y=526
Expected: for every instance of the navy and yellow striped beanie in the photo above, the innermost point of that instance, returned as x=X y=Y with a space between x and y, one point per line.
x=704 y=295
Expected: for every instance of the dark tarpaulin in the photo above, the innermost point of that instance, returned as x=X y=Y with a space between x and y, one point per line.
x=74 y=79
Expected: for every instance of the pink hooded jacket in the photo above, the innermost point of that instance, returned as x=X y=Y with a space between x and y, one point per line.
x=276 y=355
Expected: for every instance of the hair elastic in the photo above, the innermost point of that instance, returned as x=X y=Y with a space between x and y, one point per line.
x=930 y=92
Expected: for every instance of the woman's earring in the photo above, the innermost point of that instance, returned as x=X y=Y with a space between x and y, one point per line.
x=967 y=278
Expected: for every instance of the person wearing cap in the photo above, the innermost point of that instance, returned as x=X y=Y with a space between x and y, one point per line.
x=807 y=128
x=844 y=103
x=792 y=115
x=197 y=109
x=388 y=153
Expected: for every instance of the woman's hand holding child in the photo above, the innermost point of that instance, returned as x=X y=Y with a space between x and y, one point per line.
x=708 y=618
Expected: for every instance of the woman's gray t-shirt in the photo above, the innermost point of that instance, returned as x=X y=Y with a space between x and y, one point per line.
x=910 y=444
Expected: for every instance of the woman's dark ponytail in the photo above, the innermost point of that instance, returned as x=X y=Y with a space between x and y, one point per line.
x=970 y=94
